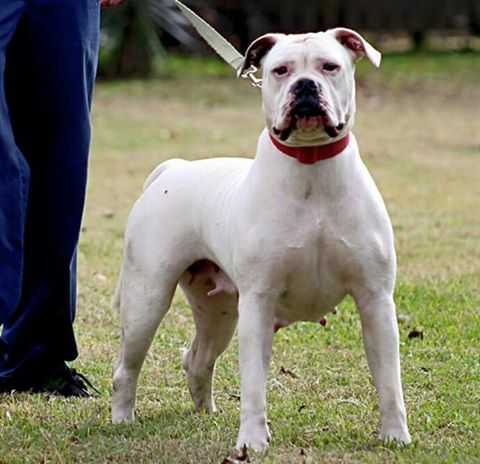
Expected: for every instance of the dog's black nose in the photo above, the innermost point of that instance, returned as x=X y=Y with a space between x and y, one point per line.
x=306 y=96
x=305 y=87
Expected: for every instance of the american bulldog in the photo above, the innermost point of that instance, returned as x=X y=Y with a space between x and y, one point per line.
x=266 y=242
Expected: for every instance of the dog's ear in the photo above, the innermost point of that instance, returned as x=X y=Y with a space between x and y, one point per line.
x=356 y=45
x=257 y=51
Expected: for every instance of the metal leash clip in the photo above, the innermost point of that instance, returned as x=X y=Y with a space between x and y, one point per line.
x=250 y=75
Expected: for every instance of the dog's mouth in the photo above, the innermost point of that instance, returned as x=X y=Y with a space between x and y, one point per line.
x=308 y=115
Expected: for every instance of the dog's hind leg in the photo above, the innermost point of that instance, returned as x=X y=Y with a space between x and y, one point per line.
x=215 y=325
x=145 y=298
x=215 y=321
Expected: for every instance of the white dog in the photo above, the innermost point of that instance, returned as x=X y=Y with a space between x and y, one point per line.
x=268 y=242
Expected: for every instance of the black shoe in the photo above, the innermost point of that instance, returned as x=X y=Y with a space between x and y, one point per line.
x=62 y=381
x=67 y=382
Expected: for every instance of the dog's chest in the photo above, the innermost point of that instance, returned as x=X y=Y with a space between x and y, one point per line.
x=310 y=273
x=308 y=255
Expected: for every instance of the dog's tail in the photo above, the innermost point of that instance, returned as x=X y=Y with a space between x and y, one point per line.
x=162 y=167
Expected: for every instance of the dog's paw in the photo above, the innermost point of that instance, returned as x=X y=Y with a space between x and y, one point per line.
x=256 y=438
x=204 y=404
x=123 y=417
x=396 y=436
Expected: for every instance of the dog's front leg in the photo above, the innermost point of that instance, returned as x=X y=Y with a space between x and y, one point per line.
x=381 y=340
x=255 y=331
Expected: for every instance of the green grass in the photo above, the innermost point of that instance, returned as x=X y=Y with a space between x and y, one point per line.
x=421 y=143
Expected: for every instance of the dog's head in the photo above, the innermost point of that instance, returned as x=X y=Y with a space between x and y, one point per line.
x=308 y=83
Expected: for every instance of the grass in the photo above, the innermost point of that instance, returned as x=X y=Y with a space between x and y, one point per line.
x=419 y=135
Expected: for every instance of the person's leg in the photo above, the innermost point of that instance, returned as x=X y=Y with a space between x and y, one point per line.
x=13 y=179
x=49 y=87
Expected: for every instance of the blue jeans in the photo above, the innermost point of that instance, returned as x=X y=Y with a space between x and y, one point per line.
x=48 y=59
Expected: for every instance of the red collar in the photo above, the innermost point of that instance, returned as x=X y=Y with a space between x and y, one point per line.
x=310 y=155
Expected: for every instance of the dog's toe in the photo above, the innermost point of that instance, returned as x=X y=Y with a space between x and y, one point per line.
x=399 y=437
x=255 y=438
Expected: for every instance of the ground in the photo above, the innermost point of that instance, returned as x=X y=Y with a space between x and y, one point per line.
x=419 y=134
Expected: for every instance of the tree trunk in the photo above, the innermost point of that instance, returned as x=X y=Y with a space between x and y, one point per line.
x=131 y=41
x=136 y=50
x=418 y=38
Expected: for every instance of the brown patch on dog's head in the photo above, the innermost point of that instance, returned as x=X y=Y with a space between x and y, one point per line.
x=257 y=51
x=356 y=45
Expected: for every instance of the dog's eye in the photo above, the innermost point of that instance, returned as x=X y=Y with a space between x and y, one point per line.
x=280 y=71
x=330 y=67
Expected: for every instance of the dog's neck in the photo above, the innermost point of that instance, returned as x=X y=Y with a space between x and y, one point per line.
x=310 y=155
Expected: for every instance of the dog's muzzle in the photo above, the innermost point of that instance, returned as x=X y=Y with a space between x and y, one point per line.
x=306 y=99
x=307 y=111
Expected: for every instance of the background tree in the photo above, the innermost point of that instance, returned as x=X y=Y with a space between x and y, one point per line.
x=136 y=33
